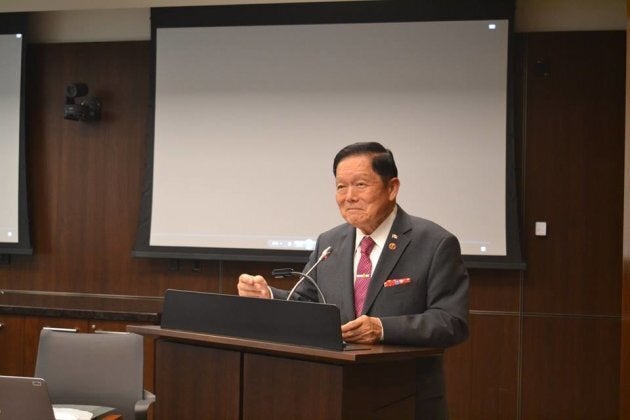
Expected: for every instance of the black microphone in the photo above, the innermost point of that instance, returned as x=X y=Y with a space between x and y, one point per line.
x=281 y=272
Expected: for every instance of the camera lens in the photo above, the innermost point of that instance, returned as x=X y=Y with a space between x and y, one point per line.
x=76 y=89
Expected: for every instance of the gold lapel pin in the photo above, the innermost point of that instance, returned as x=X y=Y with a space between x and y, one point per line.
x=392 y=246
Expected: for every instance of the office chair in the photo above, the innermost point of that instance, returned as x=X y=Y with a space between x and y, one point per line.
x=103 y=369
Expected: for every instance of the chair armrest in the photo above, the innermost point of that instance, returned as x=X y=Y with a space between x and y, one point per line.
x=142 y=406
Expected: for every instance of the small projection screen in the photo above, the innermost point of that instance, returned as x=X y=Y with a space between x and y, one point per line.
x=249 y=115
x=14 y=231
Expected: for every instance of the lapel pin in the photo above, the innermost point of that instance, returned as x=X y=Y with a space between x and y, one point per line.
x=392 y=246
x=394 y=236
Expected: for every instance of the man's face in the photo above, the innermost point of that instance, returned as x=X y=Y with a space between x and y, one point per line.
x=363 y=199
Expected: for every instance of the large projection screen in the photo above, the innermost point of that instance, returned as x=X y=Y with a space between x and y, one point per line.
x=10 y=94
x=249 y=117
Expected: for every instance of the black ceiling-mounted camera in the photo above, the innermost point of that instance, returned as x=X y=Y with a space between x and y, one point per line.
x=88 y=109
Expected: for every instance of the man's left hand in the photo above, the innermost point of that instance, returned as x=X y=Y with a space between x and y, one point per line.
x=363 y=330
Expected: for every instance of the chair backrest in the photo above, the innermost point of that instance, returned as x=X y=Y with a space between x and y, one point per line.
x=92 y=369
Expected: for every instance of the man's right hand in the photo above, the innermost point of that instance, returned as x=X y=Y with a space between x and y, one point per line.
x=253 y=286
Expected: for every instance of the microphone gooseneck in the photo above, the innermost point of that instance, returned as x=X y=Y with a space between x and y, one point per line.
x=325 y=253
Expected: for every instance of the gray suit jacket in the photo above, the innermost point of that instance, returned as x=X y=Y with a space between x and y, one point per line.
x=428 y=308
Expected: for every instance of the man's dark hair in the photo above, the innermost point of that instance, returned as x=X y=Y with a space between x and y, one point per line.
x=382 y=159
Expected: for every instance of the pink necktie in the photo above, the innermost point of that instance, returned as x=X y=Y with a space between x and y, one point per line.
x=364 y=274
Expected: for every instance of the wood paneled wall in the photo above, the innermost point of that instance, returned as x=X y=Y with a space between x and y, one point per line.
x=544 y=343
x=573 y=179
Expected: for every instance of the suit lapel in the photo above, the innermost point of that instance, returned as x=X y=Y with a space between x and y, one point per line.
x=395 y=245
x=344 y=252
x=336 y=273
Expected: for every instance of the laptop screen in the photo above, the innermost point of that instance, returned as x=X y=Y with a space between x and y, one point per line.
x=24 y=398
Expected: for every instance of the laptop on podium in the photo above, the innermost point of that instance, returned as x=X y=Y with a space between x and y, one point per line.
x=290 y=322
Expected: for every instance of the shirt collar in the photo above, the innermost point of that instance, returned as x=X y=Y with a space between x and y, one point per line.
x=380 y=233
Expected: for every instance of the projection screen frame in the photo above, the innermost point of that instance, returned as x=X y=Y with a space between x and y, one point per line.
x=327 y=13
x=17 y=23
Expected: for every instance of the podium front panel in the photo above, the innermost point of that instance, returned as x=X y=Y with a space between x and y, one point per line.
x=196 y=382
x=284 y=388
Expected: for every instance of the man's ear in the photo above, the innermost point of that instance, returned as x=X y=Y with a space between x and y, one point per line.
x=392 y=188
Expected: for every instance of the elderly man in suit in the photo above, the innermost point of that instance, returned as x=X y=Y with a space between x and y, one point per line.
x=396 y=278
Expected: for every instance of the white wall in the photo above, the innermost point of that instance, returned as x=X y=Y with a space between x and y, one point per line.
x=570 y=15
x=50 y=5
x=120 y=20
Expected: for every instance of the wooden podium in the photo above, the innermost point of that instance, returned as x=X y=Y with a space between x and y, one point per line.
x=204 y=376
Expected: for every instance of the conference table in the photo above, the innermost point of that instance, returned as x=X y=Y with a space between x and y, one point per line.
x=199 y=375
